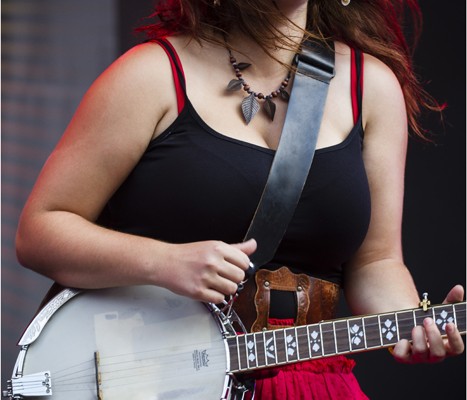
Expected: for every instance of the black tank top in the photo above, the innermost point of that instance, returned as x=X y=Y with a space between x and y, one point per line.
x=193 y=184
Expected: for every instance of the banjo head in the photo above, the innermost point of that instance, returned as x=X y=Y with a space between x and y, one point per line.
x=138 y=342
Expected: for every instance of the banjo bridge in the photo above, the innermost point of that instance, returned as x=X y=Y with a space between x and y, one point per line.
x=98 y=376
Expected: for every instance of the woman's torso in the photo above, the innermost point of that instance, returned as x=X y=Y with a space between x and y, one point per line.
x=194 y=183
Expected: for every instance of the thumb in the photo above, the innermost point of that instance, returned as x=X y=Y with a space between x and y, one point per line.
x=455 y=294
x=247 y=247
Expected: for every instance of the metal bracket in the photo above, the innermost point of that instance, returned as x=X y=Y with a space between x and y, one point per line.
x=38 y=385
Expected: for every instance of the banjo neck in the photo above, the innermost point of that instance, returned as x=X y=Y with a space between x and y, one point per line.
x=270 y=348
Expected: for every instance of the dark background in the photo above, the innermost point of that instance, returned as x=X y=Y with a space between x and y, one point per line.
x=51 y=52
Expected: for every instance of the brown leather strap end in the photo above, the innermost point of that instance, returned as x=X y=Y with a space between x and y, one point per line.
x=317 y=299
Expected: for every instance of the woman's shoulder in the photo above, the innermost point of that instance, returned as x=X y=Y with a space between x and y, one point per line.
x=382 y=92
x=377 y=74
x=379 y=78
x=146 y=62
x=140 y=78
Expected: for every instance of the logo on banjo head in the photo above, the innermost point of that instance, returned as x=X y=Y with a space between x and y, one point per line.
x=200 y=359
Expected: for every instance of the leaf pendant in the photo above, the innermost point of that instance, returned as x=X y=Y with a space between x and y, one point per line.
x=234 y=85
x=284 y=95
x=243 y=65
x=250 y=107
x=270 y=108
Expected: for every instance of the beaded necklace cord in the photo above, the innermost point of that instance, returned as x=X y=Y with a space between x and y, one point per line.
x=250 y=104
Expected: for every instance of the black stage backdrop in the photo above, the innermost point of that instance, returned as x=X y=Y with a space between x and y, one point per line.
x=48 y=61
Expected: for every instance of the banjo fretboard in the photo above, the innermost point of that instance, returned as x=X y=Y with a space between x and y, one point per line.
x=342 y=336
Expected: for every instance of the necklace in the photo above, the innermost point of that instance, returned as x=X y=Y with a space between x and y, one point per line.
x=250 y=104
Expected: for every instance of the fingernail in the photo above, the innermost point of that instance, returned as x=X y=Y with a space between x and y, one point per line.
x=428 y=321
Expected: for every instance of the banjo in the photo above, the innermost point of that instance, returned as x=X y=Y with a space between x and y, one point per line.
x=147 y=343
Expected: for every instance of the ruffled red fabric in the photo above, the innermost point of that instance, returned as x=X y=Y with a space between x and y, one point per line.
x=323 y=379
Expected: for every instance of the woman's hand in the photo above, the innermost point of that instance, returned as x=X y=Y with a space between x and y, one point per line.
x=427 y=343
x=207 y=271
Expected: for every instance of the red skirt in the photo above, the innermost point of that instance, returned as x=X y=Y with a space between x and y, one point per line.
x=324 y=379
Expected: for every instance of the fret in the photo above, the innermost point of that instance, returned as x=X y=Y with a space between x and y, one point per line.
x=405 y=323
x=314 y=338
x=280 y=346
x=250 y=347
x=303 y=343
x=260 y=350
x=420 y=315
x=388 y=328
x=396 y=320
x=356 y=334
x=459 y=312
x=270 y=348
x=341 y=331
x=335 y=338
x=372 y=332
x=328 y=339
x=238 y=353
x=433 y=313
x=233 y=353
x=242 y=354
x=290 y=335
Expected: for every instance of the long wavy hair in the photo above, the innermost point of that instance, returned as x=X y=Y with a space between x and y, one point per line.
x=374 y=26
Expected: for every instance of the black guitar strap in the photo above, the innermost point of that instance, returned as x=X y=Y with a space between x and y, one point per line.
x=292 y=161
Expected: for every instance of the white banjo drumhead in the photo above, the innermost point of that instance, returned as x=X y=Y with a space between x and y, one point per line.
x=139 y=342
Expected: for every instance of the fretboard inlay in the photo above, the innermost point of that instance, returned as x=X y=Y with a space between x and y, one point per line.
x=356 y=334
x=315 y=342
x=442 y=318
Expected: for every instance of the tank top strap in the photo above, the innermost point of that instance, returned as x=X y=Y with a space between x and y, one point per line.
x=177 y=71
x=356 y=83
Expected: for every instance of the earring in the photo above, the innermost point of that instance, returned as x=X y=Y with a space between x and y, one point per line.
x=345 y=2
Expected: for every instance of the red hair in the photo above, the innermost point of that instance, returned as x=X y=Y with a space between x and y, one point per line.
x=377 y=27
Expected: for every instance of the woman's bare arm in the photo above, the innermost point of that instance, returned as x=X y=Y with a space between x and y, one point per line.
x=376 y=279
x=129 y=104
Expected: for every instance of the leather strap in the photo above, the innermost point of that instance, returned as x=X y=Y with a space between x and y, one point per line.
x=316 y=299
x=292 y=161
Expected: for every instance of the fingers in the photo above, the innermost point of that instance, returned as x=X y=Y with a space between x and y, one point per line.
x=208 y=285
x=210 y=296
x=402 y=352
x=428 y=345
x=223 y=286
x=237 y=260
x=455 y=294
x=231 y=271
x=247 y=248
x=455 y=344
x=209 y=271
